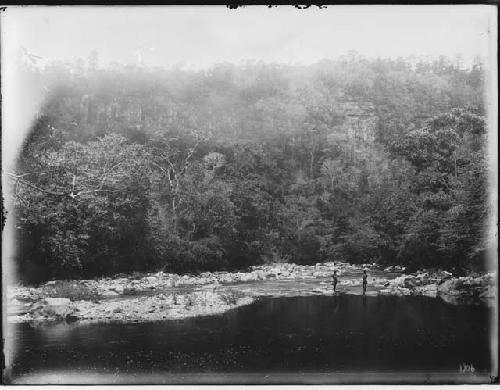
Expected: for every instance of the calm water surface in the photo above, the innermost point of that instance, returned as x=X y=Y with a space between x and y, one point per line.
x=331 y=335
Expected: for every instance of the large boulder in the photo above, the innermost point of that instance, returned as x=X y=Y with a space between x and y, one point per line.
x=56 y=307
x=57 y=301
x=445 y=286
x=116 y=288
x=488 y=293
x=429 y=290
x=485 y=280
x=259 y=274
x=450 y=287
x=246 y=277
x=410 y=281
x=151 y=280
x=399 y=281
x=371 y=293
x=402 y=291
x=109 y=293
x=443 y=276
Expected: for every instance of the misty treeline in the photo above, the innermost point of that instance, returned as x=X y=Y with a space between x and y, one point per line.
x=140 y=169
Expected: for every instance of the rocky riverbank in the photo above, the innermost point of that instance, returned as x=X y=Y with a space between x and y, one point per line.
x=163 y=296
x=451 y=289
x=133 y=309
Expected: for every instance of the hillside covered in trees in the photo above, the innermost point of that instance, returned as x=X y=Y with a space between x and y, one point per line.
x=132 y=169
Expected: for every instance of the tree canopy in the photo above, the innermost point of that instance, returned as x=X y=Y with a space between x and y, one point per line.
x=132 y=169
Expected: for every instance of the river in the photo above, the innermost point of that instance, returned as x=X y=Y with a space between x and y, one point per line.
x=301 y=339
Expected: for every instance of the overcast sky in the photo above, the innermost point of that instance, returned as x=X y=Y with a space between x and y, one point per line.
x=201 y=36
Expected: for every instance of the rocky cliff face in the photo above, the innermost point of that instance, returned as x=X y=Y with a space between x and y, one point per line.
x=356 y=134
x=360 y=121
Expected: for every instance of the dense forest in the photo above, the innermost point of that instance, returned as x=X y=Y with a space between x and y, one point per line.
x=130 y=168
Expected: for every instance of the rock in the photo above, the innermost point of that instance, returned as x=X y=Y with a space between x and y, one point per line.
x=57 y=301
x=410 y=281
x=403 y=291
x=56 y=307
x=484 y=281
x=371 y=293
x=445 y=286
x=430 y=287
x=167 y=283
x=395 y=268
x=443 y=276
x=118 y=289
x=246 y=277
x=109 y=293
x=429 y=290
x=71 y=317
x=452 y=287
x=399 y=281
x=432 y=294
x=455 y=299
x=208 y=299
x=488 y=293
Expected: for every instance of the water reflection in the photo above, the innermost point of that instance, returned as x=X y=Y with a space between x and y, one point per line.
x=296 y=334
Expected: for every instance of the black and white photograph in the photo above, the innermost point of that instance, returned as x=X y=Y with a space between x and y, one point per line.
x=249 y=195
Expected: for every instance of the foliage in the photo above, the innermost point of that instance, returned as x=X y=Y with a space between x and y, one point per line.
x=133 y=169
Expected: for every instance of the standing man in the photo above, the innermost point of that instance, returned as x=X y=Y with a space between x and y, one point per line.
x=335 y=280
x=365 y=281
